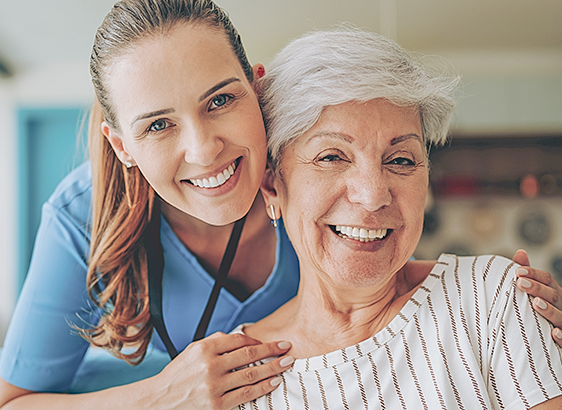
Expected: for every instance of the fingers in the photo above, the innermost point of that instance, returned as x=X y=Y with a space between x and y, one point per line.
x=205 y=377
x=254 y=374
x=557 y=336
x=229 y=352
x=553 y=315
x=545 y=289
x=249 y=381
x=541 y=284
x=549 y=312
x=222 y=343
x=256 y=381
x=521 y=258
x=251 y=354
x=251 y=392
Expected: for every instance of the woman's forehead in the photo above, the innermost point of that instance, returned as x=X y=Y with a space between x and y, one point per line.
x=377 y=119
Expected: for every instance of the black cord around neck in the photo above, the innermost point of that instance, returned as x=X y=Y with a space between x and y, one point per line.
x=155 y=262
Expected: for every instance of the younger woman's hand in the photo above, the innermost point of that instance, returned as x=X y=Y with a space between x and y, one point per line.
x=545 y=289
x=202 y=376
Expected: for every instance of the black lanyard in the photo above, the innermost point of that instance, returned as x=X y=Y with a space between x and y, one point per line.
x=155 y=262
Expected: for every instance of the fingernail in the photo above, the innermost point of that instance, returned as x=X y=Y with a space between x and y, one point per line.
x=284 y=345
x=275 y=382
x=558 y=333
x=540 y=303
x=524 y=283
x=521 y=271
x=286 y=361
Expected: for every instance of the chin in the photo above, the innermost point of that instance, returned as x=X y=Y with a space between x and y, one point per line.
x=219 y=220
x=226 y=214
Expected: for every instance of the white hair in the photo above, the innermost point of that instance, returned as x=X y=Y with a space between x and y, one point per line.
x=326 y=68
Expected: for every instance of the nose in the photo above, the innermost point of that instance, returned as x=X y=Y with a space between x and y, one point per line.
x=370 y=189
x=201 y=145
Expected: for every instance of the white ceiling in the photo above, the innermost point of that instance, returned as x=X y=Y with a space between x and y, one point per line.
x=40 y=32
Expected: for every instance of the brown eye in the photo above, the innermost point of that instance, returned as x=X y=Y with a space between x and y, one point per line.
x=402 y=161
x=330 y=158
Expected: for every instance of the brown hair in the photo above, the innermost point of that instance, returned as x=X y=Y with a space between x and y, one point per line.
x=122 y=199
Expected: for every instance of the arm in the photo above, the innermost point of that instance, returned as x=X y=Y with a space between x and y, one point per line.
x=525 y=366
x=545 y=289
x=42 y=353
x=200 y=377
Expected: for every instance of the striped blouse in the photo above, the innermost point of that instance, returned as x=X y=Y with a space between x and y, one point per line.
x=467 y=339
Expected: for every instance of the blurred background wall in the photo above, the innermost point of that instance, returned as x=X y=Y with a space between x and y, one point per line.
x=498 y=187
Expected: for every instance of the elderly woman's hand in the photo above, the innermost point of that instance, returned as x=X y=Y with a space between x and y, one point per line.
x=545 y=289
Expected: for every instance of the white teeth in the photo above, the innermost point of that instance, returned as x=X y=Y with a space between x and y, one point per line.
x=217 y=180
x=361 y=234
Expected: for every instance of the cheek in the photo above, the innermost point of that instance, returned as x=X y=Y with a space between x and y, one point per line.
x=252 y=129
x=157 y=167
x=300 y=206
x=417 y=213
x=413 y=197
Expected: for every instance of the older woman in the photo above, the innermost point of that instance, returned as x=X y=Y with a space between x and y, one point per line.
x=349 y=117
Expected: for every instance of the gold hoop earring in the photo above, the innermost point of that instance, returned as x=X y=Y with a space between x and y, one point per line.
x=274 y=217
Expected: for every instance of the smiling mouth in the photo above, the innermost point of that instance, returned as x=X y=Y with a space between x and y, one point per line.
x=217 y=180
x=360 y=234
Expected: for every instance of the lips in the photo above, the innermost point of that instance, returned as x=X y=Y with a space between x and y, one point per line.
x=217 y=180
x=359 y=234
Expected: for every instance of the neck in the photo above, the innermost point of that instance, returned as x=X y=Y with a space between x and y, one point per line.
x=255 y=256
x=192 y=231
x=323 y=318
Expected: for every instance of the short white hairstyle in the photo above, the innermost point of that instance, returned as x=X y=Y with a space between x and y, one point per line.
x=326 y=68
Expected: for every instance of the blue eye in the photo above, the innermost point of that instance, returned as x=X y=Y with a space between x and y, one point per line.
x=220 y=100
x=158 y=125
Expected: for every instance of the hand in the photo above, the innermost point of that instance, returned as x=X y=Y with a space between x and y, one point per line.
x=202 y=377
x=545 y=289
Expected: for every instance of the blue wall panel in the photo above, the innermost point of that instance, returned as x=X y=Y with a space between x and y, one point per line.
x=49 y=148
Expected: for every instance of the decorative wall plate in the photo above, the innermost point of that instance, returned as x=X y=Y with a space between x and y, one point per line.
x=534 y=227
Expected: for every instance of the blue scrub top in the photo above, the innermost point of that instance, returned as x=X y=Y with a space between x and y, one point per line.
x=43 y=352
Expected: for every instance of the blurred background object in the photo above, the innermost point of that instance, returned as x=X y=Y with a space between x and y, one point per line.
x=497 y=187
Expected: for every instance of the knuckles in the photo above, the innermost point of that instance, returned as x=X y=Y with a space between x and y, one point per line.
x=239 y=339
x=250 y=374
x=555 y=298
x=204 y=348
x=251 y=353
x=247 y=393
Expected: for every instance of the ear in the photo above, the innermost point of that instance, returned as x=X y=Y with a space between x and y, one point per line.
x=116 y=143
x=259 y=71
x=269 y=190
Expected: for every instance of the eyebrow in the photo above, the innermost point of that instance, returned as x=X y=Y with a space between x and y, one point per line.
x=329 y=134
x=402 y=138
x=152 y=114
x=218 y=87
x=347 y=138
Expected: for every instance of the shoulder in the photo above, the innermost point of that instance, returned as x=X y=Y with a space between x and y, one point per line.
x=72 y=197
x=485 y=282
x=486 y=268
